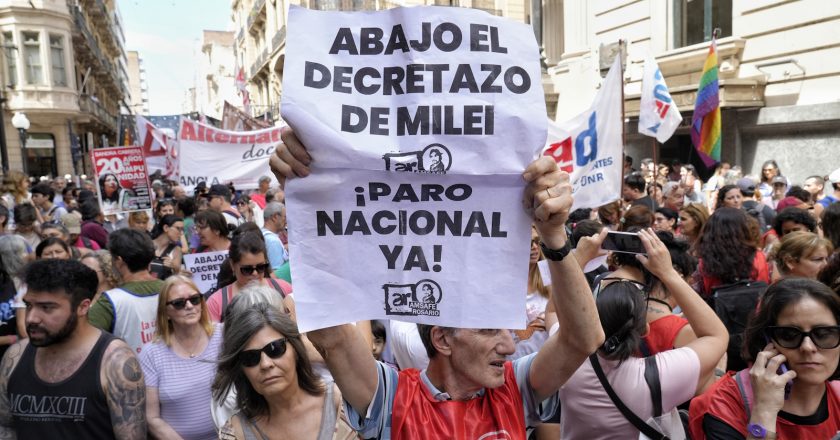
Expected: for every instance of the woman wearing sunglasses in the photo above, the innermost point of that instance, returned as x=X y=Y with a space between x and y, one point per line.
x=279 y=396
x=179 y=364
x=250 y=210
x=249 y=263
x=793 y=343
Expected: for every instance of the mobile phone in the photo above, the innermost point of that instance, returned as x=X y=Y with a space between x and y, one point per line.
x=783 y=368
x=625 y=242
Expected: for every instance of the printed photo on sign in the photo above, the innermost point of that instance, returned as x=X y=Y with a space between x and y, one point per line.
x=122 y=178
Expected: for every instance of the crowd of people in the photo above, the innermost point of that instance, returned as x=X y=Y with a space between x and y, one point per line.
x=105 y=333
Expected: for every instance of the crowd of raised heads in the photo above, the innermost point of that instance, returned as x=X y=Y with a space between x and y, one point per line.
x=718 y=319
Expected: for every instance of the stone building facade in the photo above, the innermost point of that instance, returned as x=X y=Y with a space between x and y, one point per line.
x=63 y=66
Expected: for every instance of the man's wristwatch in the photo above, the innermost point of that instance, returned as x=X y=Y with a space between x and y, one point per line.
x=758 y=431
x=556 y=254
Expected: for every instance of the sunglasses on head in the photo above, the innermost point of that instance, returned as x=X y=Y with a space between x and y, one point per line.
x=248 y=270
x=180 y=303
x=826 y=337
x=274 y=349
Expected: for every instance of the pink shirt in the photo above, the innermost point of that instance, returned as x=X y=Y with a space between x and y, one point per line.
x=588 y=412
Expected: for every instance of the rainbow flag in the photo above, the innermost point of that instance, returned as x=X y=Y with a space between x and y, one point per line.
x=705 y=123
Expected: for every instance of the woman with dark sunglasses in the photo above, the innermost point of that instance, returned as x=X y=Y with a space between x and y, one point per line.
x=791 y=389
x=264 y=360
x=249 y=263
x=179 y=363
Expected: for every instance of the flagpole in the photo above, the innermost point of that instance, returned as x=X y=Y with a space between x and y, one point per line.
x=655 y=162
x=623 y=119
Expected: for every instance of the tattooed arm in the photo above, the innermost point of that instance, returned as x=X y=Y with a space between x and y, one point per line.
x=10 y=360
x=122 y=380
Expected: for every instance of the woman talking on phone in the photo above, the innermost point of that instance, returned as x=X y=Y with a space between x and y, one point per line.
x=793 y=343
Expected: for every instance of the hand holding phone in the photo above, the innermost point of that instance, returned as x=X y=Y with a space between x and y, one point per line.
x=783 y=368
x=624 y=242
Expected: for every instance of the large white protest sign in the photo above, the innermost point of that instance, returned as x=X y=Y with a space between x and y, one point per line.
x=420 y=122
x=204 y=268
x=589 y=147
x=218 y=156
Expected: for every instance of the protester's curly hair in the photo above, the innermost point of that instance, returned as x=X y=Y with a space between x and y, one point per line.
x=795 y=215
x=726 y=246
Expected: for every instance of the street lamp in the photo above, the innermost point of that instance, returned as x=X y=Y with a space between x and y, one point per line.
x=21 y=122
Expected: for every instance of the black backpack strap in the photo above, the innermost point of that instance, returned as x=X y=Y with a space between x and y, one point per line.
x=644 y=349
x=640 y=424
x=278 y=287
x=169 y=248
x=652 y=379
x=225 y=291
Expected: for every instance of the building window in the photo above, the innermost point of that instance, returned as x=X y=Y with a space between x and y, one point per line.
x=59 y=73
x=32 y=58
x=40 y=154
x=694 y=20
x=10 y=51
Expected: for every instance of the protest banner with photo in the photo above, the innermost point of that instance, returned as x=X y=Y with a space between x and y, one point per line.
x=204 y=268
x=122 y=178
x=221 y=156
x=420 y=122
x=234 y=119
x=589 y=146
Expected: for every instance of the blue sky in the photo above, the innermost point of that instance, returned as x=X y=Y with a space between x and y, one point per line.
x=167 y=33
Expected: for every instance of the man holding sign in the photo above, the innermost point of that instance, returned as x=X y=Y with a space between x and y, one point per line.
x=468 y=389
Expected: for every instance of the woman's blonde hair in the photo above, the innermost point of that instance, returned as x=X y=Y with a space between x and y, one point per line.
x=798 y=245
x=164 y=329
x=11 y=184
x=103 y=257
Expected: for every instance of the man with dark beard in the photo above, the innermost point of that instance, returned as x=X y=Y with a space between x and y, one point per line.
x=69 y=379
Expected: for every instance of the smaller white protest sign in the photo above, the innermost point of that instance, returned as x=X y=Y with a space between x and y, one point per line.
x=589 y=146
x=205 y=268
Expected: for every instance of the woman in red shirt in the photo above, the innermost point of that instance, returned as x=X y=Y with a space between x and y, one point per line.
x=793 y=343
x=728 y=252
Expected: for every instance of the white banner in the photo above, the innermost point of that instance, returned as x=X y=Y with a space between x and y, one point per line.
x=207 y=154
x=205 y=268
x=658 y=115
x=589 y=148
x=420 y=122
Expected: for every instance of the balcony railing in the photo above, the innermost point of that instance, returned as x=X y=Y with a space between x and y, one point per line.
x=88 y=105
x=279 y=38
x=105 y=67
x=254 y=16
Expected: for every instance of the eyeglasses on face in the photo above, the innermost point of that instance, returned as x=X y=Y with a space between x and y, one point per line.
x=180 y=303
x=274 y=350
x=825 y=337
x=248 y=270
